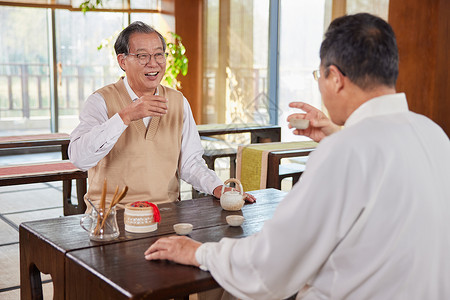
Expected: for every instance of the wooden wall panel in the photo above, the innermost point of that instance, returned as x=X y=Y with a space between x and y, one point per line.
x=188 y=24
x=423 y=37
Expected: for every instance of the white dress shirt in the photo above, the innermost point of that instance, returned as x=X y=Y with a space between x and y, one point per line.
x=96 y=135
x=368 y=219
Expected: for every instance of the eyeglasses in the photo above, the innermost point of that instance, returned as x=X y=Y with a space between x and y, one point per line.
x=144 y=58
x=316 y=73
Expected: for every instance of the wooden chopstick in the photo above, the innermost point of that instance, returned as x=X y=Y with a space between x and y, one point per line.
x=101 y=208
x=103 y=199
x=113 y=203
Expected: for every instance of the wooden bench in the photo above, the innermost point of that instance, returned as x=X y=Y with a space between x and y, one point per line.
x=276 y=171
x=50 y=171
x=61 y=170
x=292 y=170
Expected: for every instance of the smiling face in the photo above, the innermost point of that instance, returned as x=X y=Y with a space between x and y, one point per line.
x=143 y=79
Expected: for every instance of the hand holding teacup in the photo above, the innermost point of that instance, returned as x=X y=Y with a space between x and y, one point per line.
x=313 y=123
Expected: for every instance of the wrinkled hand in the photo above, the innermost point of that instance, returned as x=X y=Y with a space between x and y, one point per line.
x=218 y=192
x=179 y=249
x=145 y=106
x=320 y=125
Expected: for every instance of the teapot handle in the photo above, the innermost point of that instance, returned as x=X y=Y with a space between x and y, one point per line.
x=235 y=181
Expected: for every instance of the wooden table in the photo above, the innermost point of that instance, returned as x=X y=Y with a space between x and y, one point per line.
x=83 y=269
x=258 y=132
x=37 y=140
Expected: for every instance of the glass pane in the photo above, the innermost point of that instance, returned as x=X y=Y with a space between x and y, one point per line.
x=235 y=74
x=82 y=67
x=301 y=32
x=145 y=4
x=110 y=4
x=211 y=59
x=24 y=71
x=44 y=2
x=161 y=22
x=377 y=7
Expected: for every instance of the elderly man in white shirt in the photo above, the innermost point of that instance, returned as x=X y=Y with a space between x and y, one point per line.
x=117 y=141
x=370 y=216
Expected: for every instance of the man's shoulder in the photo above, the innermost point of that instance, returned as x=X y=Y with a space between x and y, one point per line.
x=110 y=88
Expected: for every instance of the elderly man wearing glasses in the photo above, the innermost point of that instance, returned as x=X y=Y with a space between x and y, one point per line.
x=139 y=133
x=370 y=216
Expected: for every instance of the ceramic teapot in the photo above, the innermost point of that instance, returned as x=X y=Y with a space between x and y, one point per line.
x=232 y=200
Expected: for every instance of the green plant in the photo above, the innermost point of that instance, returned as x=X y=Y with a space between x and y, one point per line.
x=90 y=5
x=177 y=62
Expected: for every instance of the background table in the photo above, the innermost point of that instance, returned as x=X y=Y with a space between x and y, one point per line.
x=83 y=269
x=257 y=132
x=37 y=140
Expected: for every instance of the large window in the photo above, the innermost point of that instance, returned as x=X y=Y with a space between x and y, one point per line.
x=53 y=61
x=24 y=70
x=235 y=61
x=301 y=31
x=301 y=27
x=82 y=68
x=68 y=44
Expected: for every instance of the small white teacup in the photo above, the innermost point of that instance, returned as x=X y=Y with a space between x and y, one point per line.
x=299 y=123
x=235 y=220
x=183 y=228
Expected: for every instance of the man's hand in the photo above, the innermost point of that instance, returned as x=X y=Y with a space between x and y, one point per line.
x=320 y=125
x=218 y=192
x=179 y=249
x=145 y=106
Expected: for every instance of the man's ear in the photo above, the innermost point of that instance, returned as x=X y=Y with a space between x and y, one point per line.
x=121 y=61
x=337 y=78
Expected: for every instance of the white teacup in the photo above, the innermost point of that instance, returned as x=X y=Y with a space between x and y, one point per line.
x=235 y=220
x=183 y=228
x=299 y=123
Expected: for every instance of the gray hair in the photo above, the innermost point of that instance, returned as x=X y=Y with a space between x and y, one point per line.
x=363 y=47
x=121 y=45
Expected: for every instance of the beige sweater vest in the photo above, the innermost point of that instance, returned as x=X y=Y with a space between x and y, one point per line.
x=144 y=159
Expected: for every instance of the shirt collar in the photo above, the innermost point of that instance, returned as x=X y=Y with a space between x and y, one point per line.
x=132 y=94
x=383 y=105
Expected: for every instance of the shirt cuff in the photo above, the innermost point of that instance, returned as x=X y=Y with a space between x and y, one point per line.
x=117 y=120
x=200 y=256
x=215 y=183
